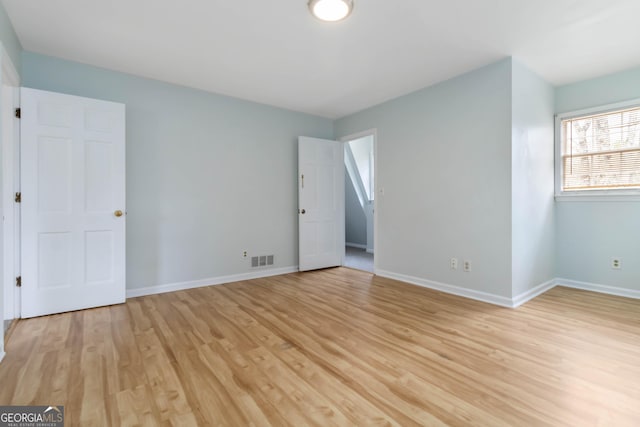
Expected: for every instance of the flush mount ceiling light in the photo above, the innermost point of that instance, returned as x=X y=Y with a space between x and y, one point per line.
x=331 y=10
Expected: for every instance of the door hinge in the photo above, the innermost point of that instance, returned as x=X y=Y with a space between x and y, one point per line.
x=18 y=113
x=18 y=198
x=19 y=281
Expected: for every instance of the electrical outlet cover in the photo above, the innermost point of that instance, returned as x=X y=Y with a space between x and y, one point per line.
x=467 y=266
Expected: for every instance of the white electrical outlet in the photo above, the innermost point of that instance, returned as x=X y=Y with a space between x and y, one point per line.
x=467 y=266
x=454 y=263
x=616 y=263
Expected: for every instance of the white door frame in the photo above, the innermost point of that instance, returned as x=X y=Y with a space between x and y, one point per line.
x=374 y=133
x=10 y=185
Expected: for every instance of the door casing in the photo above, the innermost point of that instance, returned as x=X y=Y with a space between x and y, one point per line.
x=10 y=186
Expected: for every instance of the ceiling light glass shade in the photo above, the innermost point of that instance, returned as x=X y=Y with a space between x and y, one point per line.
x=331 y=10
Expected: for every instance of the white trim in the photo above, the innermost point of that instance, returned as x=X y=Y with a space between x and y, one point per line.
x=449 y=289
x=603 y=289
x=527 y=296
x=9 y=72
x=180 y=286
x=2 y=354
x=370 y=251
x=11 y=210
x=355 y=245
x=514 y=302
x=470 y=293
x=10 y=79
x=632 y=196
x=358 y=135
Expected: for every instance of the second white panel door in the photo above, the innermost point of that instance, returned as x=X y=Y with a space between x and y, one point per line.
x=321 y=203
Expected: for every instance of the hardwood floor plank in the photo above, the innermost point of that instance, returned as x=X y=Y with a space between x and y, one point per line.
x=346 y=353
x=237 y=389
x=268 y=396
x=335 y=347
x=166 y=387
x=93 y=401
x=297 y=395
x=127 y=370
x=135 y=407
x=31 y=373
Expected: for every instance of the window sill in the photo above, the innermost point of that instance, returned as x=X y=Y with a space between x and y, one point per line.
x=599 y=197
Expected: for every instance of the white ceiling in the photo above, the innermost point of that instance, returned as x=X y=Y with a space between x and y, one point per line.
x=274 y=52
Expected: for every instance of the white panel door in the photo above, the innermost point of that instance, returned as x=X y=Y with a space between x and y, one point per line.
x=73 y=202
x=320 y=203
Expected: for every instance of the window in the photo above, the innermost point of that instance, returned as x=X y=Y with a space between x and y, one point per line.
x=600 y=152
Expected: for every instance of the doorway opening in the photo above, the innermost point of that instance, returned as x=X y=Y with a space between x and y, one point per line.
x=359 y=160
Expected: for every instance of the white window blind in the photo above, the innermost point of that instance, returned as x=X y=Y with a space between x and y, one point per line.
x=601 y=151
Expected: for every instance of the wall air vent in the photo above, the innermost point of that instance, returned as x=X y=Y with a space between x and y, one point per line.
x=262 y=260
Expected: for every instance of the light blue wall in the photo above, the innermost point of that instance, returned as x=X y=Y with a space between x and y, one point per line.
x=208 y=176
x=444 y=162
x=533 y=208
x=604 y=90
x=493 y=123
x=355 y=220
x=589 y=234
x=9 y=39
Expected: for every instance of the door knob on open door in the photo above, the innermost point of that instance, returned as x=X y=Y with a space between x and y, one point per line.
x=303 y=212
x=118 y=213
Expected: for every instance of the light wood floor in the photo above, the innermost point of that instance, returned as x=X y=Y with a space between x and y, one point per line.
x=333 y=347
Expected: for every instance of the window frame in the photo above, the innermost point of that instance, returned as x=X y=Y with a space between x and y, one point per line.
x=623 y=195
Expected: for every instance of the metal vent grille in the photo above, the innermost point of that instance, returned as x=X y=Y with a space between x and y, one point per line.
x=262 y=260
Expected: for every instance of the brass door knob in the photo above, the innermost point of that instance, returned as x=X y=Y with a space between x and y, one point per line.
x=118 y=213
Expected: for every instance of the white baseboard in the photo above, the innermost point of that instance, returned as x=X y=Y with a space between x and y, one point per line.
x=355 y=245
x=449 y=289
x=430 y=284
x=518 y=300
x=470 y=293
x=370 y=251
x=603 y=289
x=180 y=286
